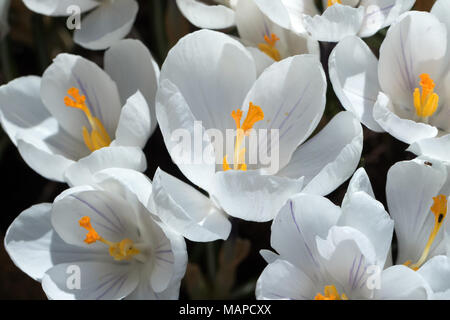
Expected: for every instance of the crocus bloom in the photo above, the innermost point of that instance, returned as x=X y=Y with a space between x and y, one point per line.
x=108 y=22
x=71 y=123
x=404 y=93
x=342 y=18
x=209 y=77
x=417 y=192
x=325 y=252
x=100 y=241
x=263 y=26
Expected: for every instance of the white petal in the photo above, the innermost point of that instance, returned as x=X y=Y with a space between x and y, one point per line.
x=58 y=7
x=437 y=148
x=291 y=94
x=359 y=182
x=296 y=9
x=282 y=280
x=410 y=188
x=381 y=13
x=21 y=106
x=213 y=72
x=354 y=75
x=134 y=126
x=98 y=281
x=409 y=131
x=436 y=272
x=187 y=211
x=206 y=16
x=252 y=24
x=251 y=196
x=330 y=157
x=33 y=245
x=441 y=9
x=336 y=23
x=348 y=254
x=262 y=60
x=295 y=228
x=256 y=19
x=106 y=25
x=268 y=256
x=131 y=65
x=416 y=44
x=127 y=183
x=101 y=93
x=180 y=129
x=367 y=215
x=42 y=160
x=178 y=256
x=24 y=115
x=74 y=190
x=402 y=283
x=144 y=291
x=81 y=171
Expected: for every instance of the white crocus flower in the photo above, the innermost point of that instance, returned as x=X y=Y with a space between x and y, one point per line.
x=404 y=93
x=206 y=77
x=264 y=26
x=342 y=18
x=4 y=9
x=71 y=123
x=417 y=193
x=330 y=253
x=103 y=241
x=108 y=22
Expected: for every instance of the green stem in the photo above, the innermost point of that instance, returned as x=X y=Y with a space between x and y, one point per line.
x=159 y=30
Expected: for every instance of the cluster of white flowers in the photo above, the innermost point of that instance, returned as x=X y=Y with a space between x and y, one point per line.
x=125 y=234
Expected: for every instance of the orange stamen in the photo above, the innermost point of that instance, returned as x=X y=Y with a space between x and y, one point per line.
x=254 y=114
x=425 y=103
x=330 y=293
x=439 y=209
x=269 y=47
x=98 y=138
x=122 y=250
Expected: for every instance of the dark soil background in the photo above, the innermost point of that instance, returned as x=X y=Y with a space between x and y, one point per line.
x=216 y=270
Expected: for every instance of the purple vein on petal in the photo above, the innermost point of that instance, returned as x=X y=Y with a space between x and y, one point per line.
x=99 y=213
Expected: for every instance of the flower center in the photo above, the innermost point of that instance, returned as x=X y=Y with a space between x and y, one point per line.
x=333 y=2
x=330 y=293
x=254 y=115
x=122 y=250
x=98 y=137
x=426 y=103
x=439 y=209
x=269 y=47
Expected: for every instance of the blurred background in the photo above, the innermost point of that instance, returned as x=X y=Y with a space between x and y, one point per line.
x=218 y=270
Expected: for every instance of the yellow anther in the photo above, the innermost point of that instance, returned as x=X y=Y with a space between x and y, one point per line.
x=122 y=250
x=439 y=209
x=333 y=2
x=269 y=47
x=225 y=164
x=92 y=236
x=99 y=137
x=427 y=101
x=330 y=293
x=254 y=114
